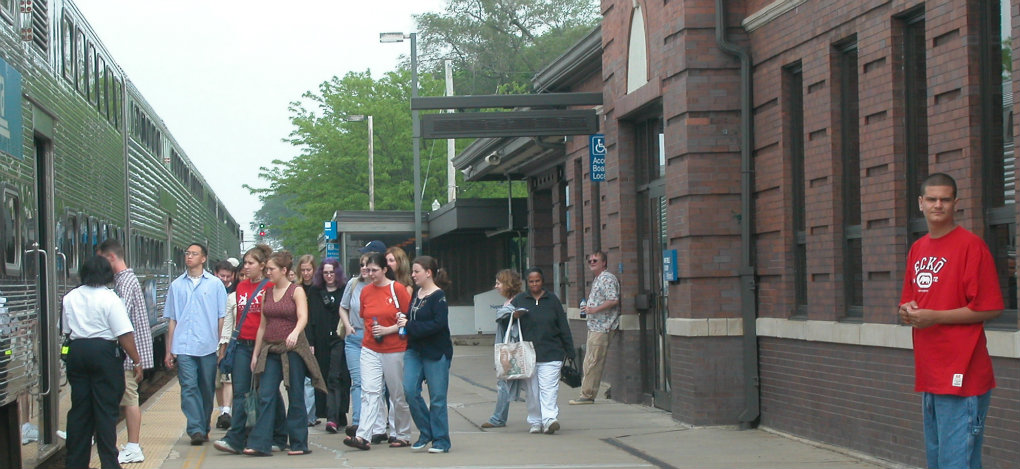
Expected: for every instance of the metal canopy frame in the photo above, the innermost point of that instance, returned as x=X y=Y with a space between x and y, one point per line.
x=522 y=123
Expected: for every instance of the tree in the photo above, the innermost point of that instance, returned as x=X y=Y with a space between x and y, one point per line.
x=495 y=42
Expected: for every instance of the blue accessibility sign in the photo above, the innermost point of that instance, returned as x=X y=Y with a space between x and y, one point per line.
x=597 y=153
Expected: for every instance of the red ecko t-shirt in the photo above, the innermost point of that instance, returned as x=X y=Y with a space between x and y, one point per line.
x=951 y=272
x=244 y=292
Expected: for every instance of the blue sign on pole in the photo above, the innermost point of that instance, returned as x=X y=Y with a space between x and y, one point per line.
x=333 y=250
x=10 y=110
x=597 y=153
x=329 y=229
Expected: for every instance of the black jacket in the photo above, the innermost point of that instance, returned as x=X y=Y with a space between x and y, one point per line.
x=545 y=326
x=428 y=326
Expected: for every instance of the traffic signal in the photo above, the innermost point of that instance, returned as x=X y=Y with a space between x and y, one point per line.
x=262 y=229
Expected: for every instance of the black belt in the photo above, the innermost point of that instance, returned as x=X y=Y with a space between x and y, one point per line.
x=248 y=342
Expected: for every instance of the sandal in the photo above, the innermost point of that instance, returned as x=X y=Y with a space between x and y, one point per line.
x=400 y=444
x=357 y=442
x=252 y=452
x=298 y=452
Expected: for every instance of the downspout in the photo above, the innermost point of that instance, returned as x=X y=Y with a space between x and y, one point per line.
x=748 y=300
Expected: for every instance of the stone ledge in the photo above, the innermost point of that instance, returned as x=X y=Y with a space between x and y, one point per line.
x=769 y=12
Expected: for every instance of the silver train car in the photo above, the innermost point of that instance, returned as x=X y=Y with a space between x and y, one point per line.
x=83 y=158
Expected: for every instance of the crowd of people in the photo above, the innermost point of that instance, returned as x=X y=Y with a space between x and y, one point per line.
x=367 y=345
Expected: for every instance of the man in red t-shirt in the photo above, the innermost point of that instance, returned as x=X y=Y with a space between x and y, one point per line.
x=950 y=288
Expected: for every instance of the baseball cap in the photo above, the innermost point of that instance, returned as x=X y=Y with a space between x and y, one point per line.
x=373 y=246
x=233 y=261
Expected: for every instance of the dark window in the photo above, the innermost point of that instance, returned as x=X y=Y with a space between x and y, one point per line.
x=80 y=74
x=997 y=142
x=793 y=89
x=12 y=231
x=91 y=88
x=849 y=149
x=101 y=93
x=915 y=103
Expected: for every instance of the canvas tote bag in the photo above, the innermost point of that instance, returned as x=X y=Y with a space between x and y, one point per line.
x=514 y=360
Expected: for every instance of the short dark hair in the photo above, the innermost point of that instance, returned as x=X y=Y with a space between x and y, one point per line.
x=222 y=265
x=201 y=247
x=939 y=179
x=96 y=272
x=112 y=246
x=379 y=259
x=534 y=270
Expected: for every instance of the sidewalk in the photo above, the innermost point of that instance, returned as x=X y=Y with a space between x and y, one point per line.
x=605 y=435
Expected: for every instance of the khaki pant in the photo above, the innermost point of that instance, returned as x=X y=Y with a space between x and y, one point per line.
x=594 y=363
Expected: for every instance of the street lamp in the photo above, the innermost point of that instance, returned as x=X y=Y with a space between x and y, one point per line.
x=415 y=133
x=371 y=157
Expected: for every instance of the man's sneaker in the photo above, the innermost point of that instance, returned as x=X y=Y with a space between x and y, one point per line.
x=222 y=445
x=223 y=421
x=419 y=445
x=552 y=427
x=198 y=438
x=276 y=448
x=581 y=401
x=535 y=429
x=331 y=427
x=439 y=450
x=491 y=425
x=128 y=455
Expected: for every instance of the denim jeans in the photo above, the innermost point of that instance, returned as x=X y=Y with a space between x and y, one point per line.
x=432 y=420
x=506 y=391
x=269 y=397
x=954 y=429
x=237 y=435
x=309 y=400
x=197 y=376
x=352 y=348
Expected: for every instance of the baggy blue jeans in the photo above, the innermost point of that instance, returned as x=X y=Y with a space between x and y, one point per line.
x=197 y=376
x=260 y=438
x=432 y=420
x=237 y=436
x=352 y=348
x=954 y=429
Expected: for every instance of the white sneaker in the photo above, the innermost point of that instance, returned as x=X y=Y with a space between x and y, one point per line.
x=535 y=429
x=552 y=427
x=61 y=434
x=128 y=455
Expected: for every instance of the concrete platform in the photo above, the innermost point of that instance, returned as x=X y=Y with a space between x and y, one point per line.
x=606 y=435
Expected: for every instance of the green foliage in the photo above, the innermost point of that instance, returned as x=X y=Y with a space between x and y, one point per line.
x=496 y=47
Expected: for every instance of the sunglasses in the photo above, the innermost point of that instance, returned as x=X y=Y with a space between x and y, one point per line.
x=593 y=261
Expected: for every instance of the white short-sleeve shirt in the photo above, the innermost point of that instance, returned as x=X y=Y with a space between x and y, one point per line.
x=95 y=313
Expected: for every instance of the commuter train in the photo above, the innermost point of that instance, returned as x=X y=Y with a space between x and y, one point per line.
x=83 y=158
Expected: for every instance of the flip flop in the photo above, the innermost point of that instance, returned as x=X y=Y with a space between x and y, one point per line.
x=400 y=444
x=298 y=452
x=357 y=442
x=252 y=452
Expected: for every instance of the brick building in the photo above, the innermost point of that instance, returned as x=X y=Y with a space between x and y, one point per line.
x=790 y=213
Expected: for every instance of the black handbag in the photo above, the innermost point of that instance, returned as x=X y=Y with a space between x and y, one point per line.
x=227 y=364
x=570 y=374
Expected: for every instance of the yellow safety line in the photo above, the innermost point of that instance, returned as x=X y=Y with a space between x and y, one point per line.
x=162 y=426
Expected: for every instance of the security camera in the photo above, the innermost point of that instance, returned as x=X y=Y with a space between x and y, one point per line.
x=493 y=159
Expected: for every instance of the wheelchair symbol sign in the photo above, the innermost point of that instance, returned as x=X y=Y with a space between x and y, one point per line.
x=597 y=152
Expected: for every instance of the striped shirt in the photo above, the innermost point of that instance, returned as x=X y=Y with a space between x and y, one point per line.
x=127 y=288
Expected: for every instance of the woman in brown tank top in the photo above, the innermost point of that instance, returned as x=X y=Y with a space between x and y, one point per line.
x=281 y=350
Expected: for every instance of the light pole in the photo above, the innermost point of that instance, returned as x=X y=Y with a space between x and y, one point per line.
x=371 y=157
x=415 y=133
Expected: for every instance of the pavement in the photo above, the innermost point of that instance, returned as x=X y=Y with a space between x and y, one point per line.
x=605 y=435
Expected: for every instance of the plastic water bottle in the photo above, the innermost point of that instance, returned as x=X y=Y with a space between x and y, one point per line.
x=378 y=337
x=401 y=331
x=584 y=315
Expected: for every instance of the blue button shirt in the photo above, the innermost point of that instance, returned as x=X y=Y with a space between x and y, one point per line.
x=197 y=310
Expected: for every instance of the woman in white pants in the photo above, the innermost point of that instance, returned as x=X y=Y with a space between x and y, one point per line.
x=382 y=355
x=545 y=325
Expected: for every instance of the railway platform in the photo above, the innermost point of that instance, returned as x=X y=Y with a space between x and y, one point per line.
x=606 y=435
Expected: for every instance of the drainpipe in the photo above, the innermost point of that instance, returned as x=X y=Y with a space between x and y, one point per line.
x=748 y=299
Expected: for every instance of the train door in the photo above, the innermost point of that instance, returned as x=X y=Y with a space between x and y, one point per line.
x=39 y=258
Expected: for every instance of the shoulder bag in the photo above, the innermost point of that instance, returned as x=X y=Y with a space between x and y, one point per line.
x=227 y=364
x=514 y=360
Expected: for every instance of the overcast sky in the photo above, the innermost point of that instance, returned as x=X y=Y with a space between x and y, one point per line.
x=221 y=73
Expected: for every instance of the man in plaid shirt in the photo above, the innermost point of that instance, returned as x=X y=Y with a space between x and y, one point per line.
x=127 y=288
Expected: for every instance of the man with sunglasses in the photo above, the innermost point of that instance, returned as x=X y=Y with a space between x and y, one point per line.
x=603 y=310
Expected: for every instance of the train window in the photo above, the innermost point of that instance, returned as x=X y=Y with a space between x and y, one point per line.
x=67 y=48
x=91 y=91
x=94 y=236
x=116 y=102
x=80 y=76
x=104 y=106
x=12 y=228
x=70 y=247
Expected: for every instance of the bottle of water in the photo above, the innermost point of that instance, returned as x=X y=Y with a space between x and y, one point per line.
x=402 y=331
x=378 y=337
x=584 y=315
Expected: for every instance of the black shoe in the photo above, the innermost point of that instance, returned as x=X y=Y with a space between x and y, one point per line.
x=351 y=430
x=197 y=439
x=223 y=421
x=376 y=439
